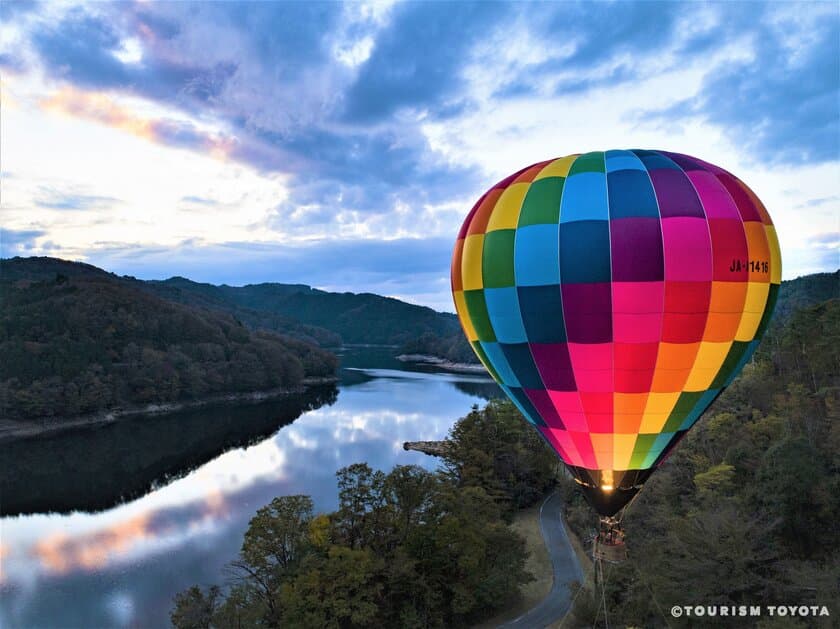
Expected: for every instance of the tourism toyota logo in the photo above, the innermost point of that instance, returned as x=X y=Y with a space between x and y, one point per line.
x=742 y=611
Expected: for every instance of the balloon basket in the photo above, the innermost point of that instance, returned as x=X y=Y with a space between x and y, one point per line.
x=609 y=543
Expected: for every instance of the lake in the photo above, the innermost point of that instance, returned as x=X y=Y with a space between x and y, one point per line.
x=102 y=526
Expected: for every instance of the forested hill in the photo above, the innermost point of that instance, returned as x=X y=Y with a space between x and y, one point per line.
x=298 y=310
x=744 y=511
x=355 y=317
x=176 y=289
x=223 y=298
x=76 y=340
x=805 y=291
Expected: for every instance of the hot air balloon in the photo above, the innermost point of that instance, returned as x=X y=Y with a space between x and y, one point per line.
x=613 y=296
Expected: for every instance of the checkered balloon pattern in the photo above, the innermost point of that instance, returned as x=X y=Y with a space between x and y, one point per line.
x=613 y=296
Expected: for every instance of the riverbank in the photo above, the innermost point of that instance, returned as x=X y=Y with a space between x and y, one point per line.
x=441 y=363
x=25 y=429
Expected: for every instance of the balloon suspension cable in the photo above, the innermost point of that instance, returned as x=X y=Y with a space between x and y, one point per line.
x=601 y=584
x=626 y=508
x=609 y=548
x=644 y=582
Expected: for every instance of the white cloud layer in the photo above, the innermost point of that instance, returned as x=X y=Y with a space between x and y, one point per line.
x=147 y=138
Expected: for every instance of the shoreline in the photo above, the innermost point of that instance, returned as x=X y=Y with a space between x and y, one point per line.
x=12 y=430
x=442 y=363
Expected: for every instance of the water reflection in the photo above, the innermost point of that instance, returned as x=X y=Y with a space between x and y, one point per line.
x=61 y=553
x=121 y=567
x=99 y=467
x=486 y=390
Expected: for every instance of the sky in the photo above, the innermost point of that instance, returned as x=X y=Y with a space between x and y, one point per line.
x=341 y=145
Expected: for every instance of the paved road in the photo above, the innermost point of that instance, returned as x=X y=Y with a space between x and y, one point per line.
x=566 y=569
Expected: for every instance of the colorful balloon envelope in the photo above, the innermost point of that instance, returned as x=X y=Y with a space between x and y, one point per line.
x=613 y=296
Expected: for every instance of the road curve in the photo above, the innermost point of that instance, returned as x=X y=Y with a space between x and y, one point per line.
x=566 y=569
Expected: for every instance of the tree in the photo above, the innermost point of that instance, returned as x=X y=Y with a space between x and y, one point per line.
x=274 y=544
x=92 y=341
x=496 y=449
x=791 y=482
x=468 y=554
x=340 y=591
x=743 y=511
x=409 y=548
x=194 y=608
x=718 y=479
x=408 y=490
x=360 y=499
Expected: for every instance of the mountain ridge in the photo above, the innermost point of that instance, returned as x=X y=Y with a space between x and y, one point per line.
x=78 y=340
x=328 y=319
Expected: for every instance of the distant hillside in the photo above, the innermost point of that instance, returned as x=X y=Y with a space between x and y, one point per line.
x=223 y=298
x=75 y=339
x=357 y=318
x=328 y=319
x=176 y=289
x=43 y=268
x=805 y=291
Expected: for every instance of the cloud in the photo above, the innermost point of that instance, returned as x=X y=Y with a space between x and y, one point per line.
x=352 y=171
x=828 y=238
x=83 y=47
x=194 y=200
x=417 y=61
x=101 y=108
x=53 y=199
x=16 y=9
x=90 y=551
x=11 y=63
x=247 y=63
x=564 y=49
x=603 y=31
x=819 y=201
x=270 y=70
x=825 y=250
x=18 y=242
x=367 y=174
x=403 y=266
x=385 y=121
x=181 y=134
x=778 y=102
x=272 y=86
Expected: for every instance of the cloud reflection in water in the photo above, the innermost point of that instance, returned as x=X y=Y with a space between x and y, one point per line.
x=122 y=566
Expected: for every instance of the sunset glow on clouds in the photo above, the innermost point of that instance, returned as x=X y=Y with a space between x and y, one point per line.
x=263 y=142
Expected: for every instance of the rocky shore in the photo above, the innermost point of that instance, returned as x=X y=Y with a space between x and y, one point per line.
x=442 y=363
